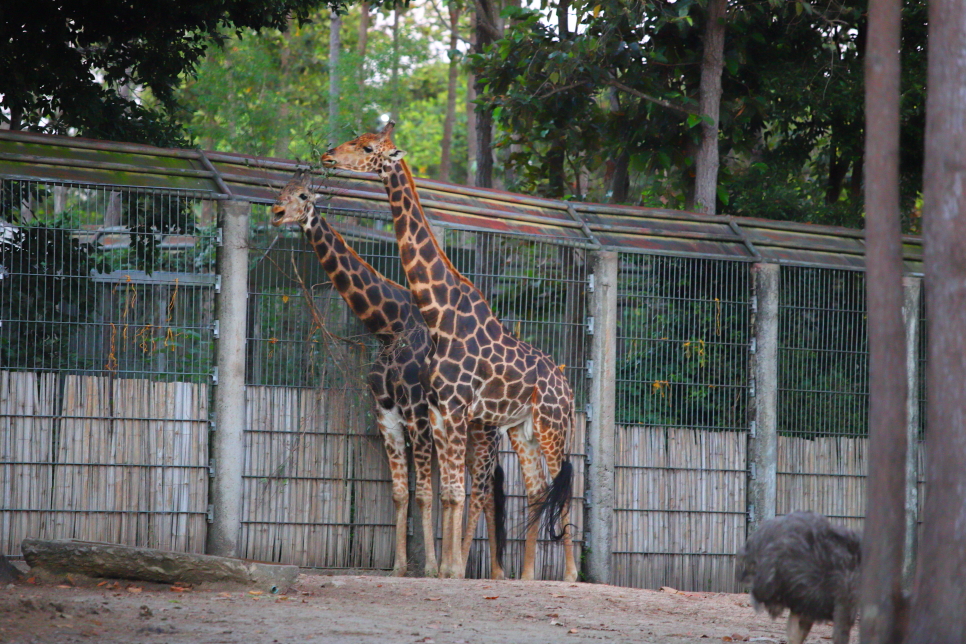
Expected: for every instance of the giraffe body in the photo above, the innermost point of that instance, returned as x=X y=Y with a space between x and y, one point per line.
x=396 y=376
x=477 y=372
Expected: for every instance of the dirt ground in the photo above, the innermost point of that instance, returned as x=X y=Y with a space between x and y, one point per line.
x=383 y=610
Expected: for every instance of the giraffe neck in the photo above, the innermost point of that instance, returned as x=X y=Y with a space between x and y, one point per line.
x=350 y=274
x=432 y=276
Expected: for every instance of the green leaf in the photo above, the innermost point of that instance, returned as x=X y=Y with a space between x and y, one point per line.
x=723 y=194
x=693 y=119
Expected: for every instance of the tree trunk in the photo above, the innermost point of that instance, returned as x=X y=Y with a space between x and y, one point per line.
x=447 y=143
x=361 y=53
x=487 y=22
x=284 y=137
x=620 y=179
x=712 y=65
x=556 y=172
x=394 y=78
x=884 y=531
x=471 y=111
x=940 y=588
x=335 y=47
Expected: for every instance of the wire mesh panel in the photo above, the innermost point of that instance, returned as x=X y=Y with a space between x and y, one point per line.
x=823 y=393
x=680 y=449
x=311 y=430
x=317 y=486
x=538 y=289
x=106 y=298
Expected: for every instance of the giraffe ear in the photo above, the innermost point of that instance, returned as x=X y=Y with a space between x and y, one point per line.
x=394 y=154
x=387 y=129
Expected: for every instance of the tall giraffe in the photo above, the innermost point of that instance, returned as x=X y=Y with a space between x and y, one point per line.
x=387 y=311
x=478 y=371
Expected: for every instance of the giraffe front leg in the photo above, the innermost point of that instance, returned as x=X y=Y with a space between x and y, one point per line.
x=391 y=426
x=528 y=450
x=421 y=437
x=452 y=462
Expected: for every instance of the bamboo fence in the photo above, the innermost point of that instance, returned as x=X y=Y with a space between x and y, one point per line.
x=679 y=507
x=103 y=459
x=825 y=475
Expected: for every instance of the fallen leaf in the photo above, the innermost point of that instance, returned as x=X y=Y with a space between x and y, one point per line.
x=255 y=592
x=63 y=586
x=433 y=599
x=179 y=589
x=493 y=597
x=572 y=630
x=554 y=622
x=134 y=589
x=31 y=580
x=668 y=589
x=727 y=639
x=553 y=615
x=103 y=583
x=739 y=638
x=555 y=595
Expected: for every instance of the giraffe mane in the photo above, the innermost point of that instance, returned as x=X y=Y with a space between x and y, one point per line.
x=418 y=204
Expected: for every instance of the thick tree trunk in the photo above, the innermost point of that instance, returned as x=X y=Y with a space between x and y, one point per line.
x=487 y=30
x=335 y=47
x=939 y=591
x=556 y=173
x=884 y=532
x=620 y=179
x=712 y=65
x=447 y=144
x=471 y=111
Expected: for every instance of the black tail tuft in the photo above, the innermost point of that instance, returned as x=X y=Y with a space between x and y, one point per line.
x=499 y=512
x=554 y=501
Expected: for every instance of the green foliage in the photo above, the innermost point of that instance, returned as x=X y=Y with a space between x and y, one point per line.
x=74 y=66
x=625 y=84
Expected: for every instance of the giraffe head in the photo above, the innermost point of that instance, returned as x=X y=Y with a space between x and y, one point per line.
x=296 y=201
x=366 y=153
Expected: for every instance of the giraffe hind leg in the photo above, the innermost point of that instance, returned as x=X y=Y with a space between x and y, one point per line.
x=391 y=426
x=528 y=450
x=422 y=441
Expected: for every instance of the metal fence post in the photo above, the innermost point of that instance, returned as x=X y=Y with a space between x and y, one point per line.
x=912 y=292
x=601 y=428
x=763 y=443
x=227 y=444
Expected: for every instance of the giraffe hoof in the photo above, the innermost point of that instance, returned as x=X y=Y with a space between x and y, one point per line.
x=431 y=571
x=399 y=572
x=570 y=577
x=498 y=575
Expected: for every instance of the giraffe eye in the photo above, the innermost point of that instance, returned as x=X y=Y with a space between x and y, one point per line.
x=367 y=149
x=303 y=196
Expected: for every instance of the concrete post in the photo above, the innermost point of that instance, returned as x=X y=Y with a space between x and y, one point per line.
x=912 y=291
x=601 y=428
x=763 y=440
x=227 y=443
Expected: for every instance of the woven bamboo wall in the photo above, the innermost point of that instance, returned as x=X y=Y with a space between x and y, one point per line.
x=679 y=507
x=317 y=487
x=825 y=475
x=103 y=459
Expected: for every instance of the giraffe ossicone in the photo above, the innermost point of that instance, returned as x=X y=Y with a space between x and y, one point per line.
x=395 y=377
x=477 y=371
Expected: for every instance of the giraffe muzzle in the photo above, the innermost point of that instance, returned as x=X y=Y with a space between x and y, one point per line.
x=278 y=213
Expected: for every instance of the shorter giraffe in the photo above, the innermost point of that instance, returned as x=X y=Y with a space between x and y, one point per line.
x=387 y=311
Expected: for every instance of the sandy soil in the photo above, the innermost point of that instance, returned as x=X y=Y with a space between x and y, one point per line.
x=383 y=610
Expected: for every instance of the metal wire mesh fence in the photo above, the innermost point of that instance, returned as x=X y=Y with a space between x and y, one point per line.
x=681 y=409
x=105 y=363
x=106 y=331
x=823 y=393
x=319 y=477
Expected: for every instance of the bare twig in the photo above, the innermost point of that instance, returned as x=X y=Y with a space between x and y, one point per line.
x=653 y=99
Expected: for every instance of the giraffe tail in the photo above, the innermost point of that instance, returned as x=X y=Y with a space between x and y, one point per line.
x=499 y=512
x=554 y=501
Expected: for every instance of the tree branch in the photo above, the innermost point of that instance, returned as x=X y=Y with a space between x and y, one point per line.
x=653 y=99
